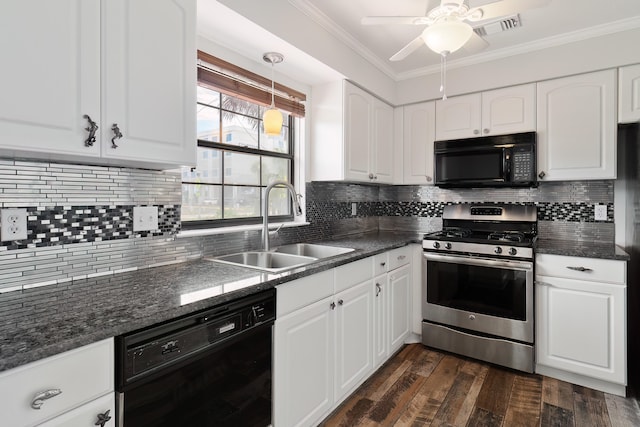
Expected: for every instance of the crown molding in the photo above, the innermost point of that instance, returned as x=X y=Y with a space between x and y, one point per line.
x=334 y=29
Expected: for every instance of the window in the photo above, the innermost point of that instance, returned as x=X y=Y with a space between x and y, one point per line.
x=250 y=162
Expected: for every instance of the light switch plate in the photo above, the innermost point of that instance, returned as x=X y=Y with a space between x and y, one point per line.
x=145 y=218
x=600 y=212
x=354 y=209
x=13 y=223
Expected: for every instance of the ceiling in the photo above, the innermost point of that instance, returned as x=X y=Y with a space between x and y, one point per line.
x=559 y=22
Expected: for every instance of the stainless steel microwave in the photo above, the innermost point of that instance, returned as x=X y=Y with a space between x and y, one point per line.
x=490 y=161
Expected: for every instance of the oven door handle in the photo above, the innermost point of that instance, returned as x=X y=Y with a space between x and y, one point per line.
x=484 y=262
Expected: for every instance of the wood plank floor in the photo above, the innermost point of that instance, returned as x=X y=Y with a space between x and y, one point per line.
x=424 y=387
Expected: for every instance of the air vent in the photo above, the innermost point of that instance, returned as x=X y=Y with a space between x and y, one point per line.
x=504 y=24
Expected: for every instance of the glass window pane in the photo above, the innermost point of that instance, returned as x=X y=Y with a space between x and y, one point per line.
x=240 y=106
x=240 y=130
x=241 y=202
x=208 y=169
x=208 y=96
x=279 y=144
x=279 y=202
x=241 y=168
x=275 y=169
x=201 y=202
x=208 y=123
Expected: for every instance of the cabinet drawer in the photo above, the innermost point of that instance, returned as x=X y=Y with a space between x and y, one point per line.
x=353 y=273
x=593 y=269
x=399 y=257
x=87 y=414
x=302 y=292
x=380 y=264
x=82 y=375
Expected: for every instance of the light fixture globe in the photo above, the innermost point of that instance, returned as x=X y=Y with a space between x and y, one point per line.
x=272 y=118
x=447 y=35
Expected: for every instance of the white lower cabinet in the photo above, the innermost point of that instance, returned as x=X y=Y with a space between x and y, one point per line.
x=333 y=330
x=581 y=321
x=74 y=388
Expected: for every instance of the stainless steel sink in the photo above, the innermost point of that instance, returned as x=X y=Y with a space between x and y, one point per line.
x=267 y=261
x=313 y=250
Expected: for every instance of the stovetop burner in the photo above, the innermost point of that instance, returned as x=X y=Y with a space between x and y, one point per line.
x=455 y=232
x=507 y=236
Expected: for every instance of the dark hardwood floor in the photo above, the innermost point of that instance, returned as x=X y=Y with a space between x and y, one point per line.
x=424 y=387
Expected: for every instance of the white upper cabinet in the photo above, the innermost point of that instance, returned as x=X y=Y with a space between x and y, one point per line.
x=110 y=61
x=577 y=127
x=419 y=122
x=352 y=135
x=629 y=94
x=495 y=112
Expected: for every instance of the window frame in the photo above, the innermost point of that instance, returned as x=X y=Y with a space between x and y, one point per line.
x=290 y=156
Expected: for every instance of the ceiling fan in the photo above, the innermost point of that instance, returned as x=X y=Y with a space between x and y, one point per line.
x=450 y=24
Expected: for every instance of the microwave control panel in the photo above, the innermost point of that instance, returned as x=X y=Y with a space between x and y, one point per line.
x=522 y=164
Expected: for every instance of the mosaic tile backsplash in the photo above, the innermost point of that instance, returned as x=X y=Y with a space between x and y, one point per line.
x=80 y=217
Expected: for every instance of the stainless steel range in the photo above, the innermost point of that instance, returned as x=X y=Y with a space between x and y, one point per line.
x=477 y=283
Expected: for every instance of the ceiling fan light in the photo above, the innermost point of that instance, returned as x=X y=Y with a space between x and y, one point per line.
x=272 y=121
x=447 y=35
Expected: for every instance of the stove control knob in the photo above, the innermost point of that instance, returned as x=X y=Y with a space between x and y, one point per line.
x=513 y=251
x=447 y=245
x=498 y=250
x=436 y=245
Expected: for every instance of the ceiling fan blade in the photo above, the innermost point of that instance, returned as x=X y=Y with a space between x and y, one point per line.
x=503 y=8
x=402 y=20
x=408 y=49
x=475 y=44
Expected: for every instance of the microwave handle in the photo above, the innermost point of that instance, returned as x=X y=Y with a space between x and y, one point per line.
x=506 y=163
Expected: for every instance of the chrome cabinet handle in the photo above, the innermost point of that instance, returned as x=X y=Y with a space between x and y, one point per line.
x=401 y=257
x=93 y=127
x=116 y=135
x=103 y=418
x=382 y=264
x=579 y=268
x=38 y=399
x=378 y=289
x=332 y=305
x=541 y=175
x=340 y=302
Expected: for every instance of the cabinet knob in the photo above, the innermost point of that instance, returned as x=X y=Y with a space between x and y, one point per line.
x=541 y=174
x=39 y=398
x=429 y=179
x=103 y=418
x=485 y=130
x=476 y=131
x=332 y=305
x=383 y=264
x=340 y=302
x=370 y=176
x=116 y=135
x=378 y=289
x=93 y=127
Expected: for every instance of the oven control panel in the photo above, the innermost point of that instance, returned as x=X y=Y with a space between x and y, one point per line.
x=501 y=251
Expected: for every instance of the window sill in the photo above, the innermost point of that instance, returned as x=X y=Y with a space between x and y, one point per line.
x=239 y=228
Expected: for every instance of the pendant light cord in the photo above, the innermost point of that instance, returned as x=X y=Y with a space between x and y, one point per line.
x=443 y=74
x=273 y=90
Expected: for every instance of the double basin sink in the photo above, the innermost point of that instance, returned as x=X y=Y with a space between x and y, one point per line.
x=284 y=257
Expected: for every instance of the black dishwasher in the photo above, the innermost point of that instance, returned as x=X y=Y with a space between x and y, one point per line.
x=212 y=368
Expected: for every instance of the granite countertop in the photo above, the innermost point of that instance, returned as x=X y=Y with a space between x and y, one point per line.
x=581 y=249
x=40 y=322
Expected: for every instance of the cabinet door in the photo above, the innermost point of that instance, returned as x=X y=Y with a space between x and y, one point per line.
x=458 y=117
x=303 y=365
x=576 y=123
x=380 y=320
x=580 y=327
x=399 y=306
x=354 y=338
x=50 y=77
x=382 y=151
x=357 y=133
x=89 y=414
x=509 y=110
x=149 y=80
x=629 y=96
x=419 y=135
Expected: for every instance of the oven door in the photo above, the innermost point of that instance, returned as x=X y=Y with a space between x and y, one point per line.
x=491 y=296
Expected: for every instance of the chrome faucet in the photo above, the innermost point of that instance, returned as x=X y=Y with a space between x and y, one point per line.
x=265 y=208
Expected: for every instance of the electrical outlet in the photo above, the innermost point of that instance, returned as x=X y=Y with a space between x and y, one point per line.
x=145 y=218
x=354 y=209
x=14 y=224
x=600 y=212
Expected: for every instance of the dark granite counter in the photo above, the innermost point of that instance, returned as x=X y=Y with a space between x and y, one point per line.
x=40 y=322
x=581 y=249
